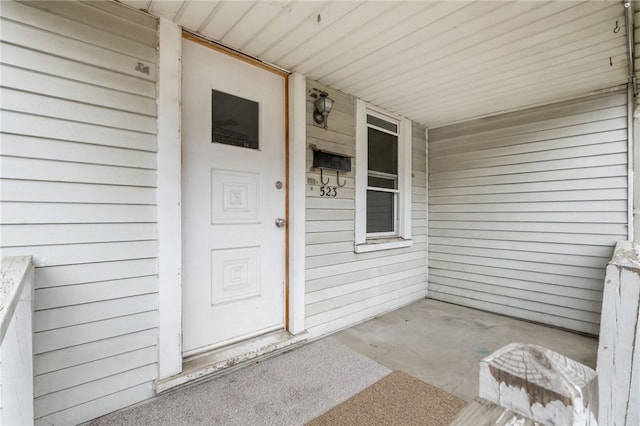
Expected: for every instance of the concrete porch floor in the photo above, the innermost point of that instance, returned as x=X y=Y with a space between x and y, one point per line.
x=437 y=342
x=442 y=344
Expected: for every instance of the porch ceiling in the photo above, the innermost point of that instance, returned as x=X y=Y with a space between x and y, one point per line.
x=433 y=62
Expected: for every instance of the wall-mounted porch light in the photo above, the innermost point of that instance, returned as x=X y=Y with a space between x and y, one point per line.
x=322 y=109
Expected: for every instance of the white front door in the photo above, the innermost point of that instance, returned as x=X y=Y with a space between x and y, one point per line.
x=233 y=175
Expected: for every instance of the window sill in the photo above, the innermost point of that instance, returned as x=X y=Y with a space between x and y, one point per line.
x=376 y=244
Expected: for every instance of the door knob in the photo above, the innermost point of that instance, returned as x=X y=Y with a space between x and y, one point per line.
x=280 y=222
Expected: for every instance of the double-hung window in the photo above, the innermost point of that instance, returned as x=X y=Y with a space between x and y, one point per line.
x=382 y=177
x=383 y=180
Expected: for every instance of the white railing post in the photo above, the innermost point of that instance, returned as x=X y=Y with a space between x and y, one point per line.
x=541 y=385
x=523 y=384
x=16 y=341
x=618 y=349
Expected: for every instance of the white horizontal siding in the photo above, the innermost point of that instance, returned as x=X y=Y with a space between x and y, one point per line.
x=525 y=209
x=56 y=234
x=65 y=275
x=78 y=170
x=344 y=287
x=18 y=190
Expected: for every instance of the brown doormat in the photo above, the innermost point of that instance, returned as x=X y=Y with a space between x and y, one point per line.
x=396 y=399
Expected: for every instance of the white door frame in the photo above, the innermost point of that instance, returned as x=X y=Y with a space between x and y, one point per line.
x=169 y=197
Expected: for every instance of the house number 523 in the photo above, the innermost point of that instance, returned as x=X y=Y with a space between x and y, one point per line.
x=328 y=191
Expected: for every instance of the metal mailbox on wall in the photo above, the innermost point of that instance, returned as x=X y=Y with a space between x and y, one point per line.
x=328 y=160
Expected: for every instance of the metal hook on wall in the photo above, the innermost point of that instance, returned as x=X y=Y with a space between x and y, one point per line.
x=616 y=30
x=338 y=180
x=322 y=179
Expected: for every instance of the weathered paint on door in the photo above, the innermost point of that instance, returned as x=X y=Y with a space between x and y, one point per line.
x=233 y=192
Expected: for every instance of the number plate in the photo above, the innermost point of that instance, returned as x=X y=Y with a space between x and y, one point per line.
x=328 y=191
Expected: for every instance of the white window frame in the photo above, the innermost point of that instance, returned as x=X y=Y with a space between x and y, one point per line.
x=402 y=236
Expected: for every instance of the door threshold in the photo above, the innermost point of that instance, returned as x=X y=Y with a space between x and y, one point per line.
x=223 y=360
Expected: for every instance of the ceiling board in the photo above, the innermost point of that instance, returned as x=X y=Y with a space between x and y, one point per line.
x=503 y=100
x=517 y=81
x=436 y=62
x=386 y=48
x=324 y=17
x=166 y=8
x=257 y=19
x=194 y=13
x=333 y=34
x=517 y=64
x=281 y=26
x=493 y=42
x=224 y=18
x=403 y=15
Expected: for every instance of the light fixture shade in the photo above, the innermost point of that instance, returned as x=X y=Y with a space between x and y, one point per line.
x=322 y=108
x=324 y=104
